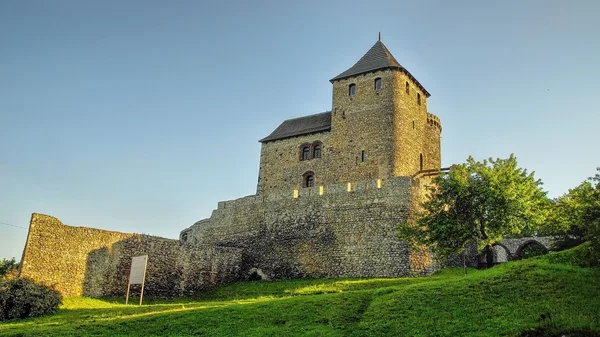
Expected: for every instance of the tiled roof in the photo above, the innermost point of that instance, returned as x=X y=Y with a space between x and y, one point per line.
x=301 y=126
x=377 y=58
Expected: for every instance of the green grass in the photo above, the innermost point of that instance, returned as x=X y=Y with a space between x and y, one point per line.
x=537 y=296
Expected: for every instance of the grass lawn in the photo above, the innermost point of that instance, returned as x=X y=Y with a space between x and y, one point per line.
x=535 y=297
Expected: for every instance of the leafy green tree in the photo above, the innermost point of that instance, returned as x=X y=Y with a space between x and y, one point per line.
x=575 y=216
x=478 y=202
x=8 y=268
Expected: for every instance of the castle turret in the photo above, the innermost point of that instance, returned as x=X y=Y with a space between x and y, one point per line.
x=379 y=122
x=378 y=128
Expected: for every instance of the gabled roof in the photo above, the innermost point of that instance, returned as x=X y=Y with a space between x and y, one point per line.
x=377 y=58
x=301 y=126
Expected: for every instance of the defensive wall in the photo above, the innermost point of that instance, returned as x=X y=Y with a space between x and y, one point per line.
x=337 y=230
x=92 y=262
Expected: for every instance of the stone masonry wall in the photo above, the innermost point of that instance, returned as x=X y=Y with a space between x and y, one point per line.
x=410 y=121
x=432 y=146
x=336 y=234
x=388 y=125
x=92 y=262
x=363 y=122
x=281 y=167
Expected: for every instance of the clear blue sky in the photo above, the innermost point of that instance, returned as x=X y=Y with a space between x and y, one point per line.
x=139 y=116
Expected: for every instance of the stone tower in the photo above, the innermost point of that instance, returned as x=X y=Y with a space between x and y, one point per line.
x=379 y=123
x=378 y=128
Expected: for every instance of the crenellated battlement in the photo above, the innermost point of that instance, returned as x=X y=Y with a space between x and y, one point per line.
x=434 y=120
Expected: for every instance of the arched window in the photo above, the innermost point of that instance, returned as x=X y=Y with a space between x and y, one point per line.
x=378 y=83
x=317 y=151
x=407 y=88
x=308 y=179
x=421 y=162
x=352 y=90
x=306 y=153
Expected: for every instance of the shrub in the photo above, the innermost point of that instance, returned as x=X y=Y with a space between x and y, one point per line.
x=581 y=255
x=22 y=298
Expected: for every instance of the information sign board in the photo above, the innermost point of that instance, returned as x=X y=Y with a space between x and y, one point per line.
x=137 y=275
x=138 y=269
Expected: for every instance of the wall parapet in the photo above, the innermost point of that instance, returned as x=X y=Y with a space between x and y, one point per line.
x=374 y=186
x=434 y=120
x=339 y=231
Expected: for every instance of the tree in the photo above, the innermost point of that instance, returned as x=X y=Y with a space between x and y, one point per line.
x=480 y=202
x=8 y=268
x=575 y=216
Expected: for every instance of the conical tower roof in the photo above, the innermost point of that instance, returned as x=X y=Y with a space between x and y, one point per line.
x=377 y=58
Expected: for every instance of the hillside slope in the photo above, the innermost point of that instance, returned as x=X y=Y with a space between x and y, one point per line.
x=528 y=298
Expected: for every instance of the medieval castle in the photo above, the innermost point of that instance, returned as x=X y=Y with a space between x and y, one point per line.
x=378 y=128
x=332 y=188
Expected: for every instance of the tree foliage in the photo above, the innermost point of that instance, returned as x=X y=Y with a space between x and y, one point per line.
x=8 y=268
x=481 y=202
x=575 y=216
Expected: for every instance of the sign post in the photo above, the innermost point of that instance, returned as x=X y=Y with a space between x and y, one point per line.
x=137 y=274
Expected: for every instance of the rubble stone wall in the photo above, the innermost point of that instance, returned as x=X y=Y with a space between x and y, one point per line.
x=338 y=233
x=92 y=262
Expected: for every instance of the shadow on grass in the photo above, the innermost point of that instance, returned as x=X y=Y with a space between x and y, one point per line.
x=506 y=299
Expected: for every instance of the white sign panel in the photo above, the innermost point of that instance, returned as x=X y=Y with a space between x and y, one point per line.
x=138 y=269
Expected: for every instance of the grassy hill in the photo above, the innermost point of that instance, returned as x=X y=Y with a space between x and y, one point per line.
x=538 y=297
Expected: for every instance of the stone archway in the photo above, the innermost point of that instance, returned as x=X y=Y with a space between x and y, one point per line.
x=256 y=274
x=530 y=248
x=501 y=253
x=497 y=253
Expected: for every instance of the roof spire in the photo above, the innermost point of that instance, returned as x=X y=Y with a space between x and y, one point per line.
x=379 y=36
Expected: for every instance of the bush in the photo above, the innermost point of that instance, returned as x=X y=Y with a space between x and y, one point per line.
x=582 y=256
x=22 y=298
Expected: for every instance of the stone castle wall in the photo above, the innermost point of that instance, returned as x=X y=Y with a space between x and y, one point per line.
x=92 y=262
x=334 y=234
x=363 y=122
x=375 y=134
x=410 y=122
x=281 y=167
x=432 y=148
